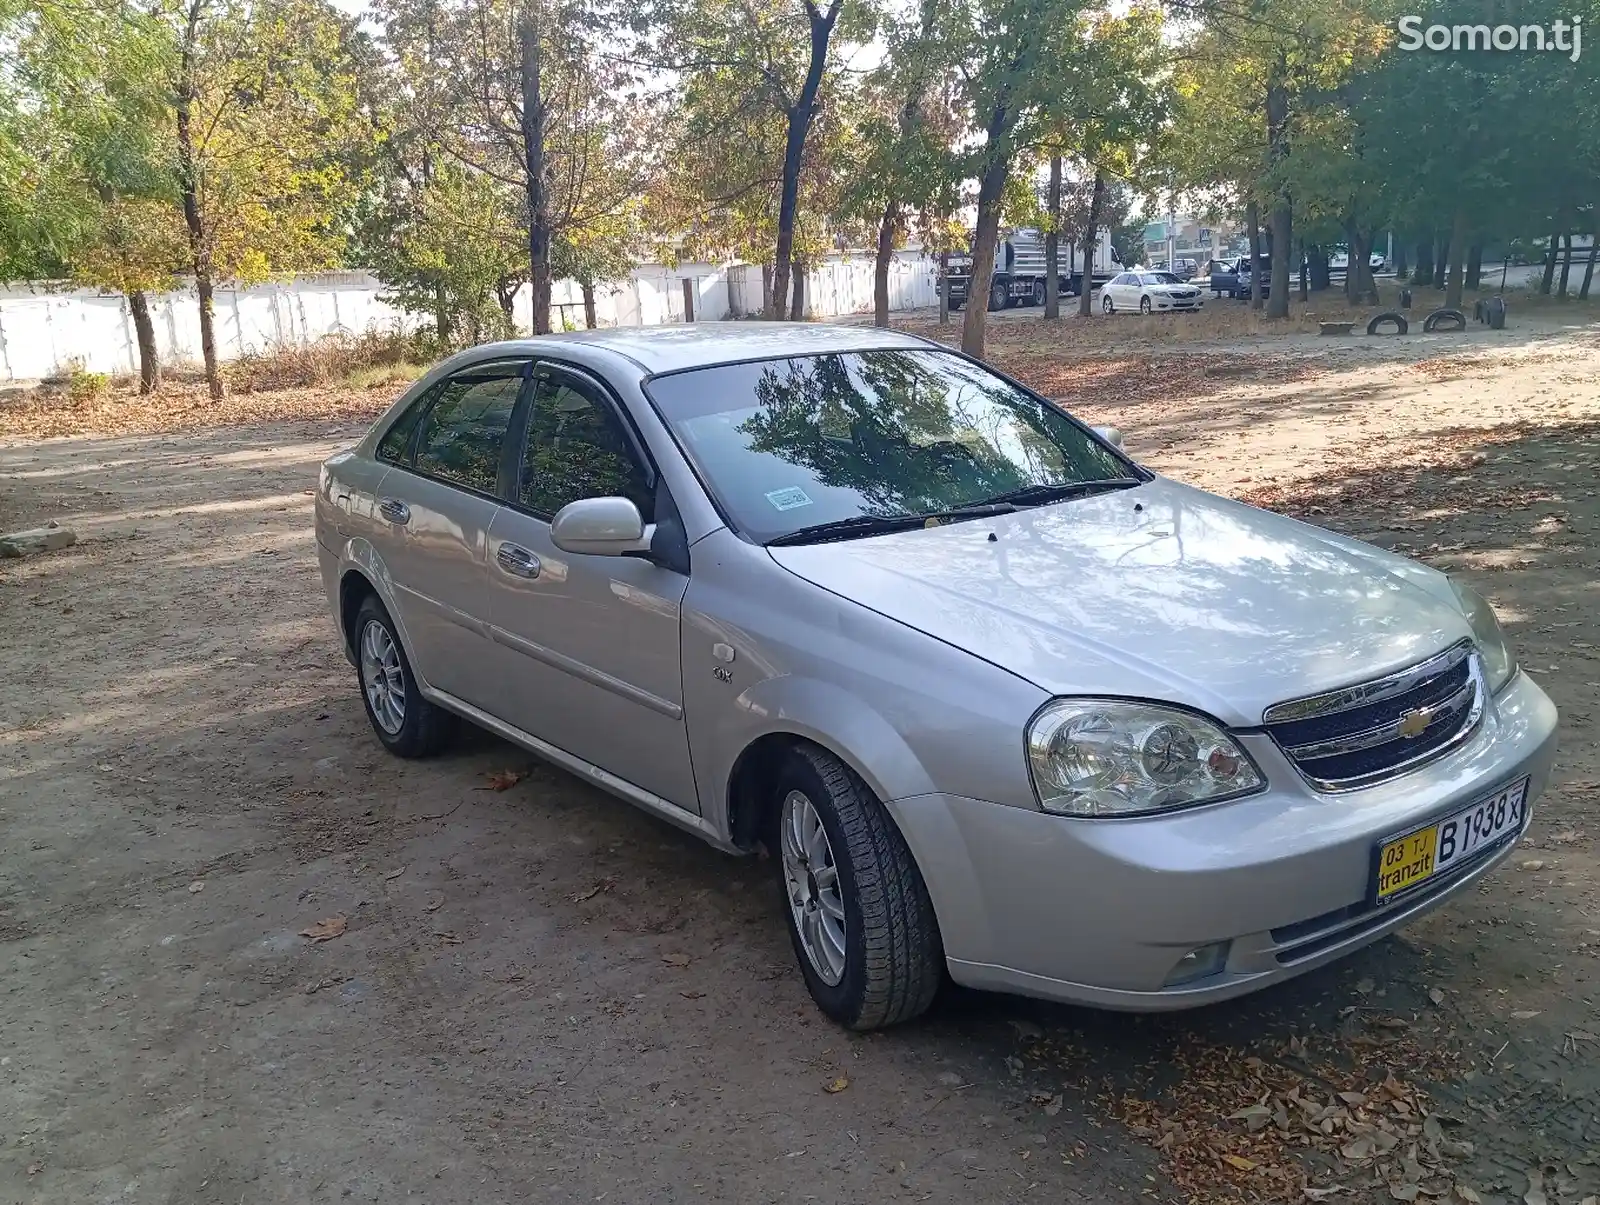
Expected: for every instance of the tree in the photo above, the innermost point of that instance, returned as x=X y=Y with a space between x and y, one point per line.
x=766 y=65
x=92 y=198
x=264 y=94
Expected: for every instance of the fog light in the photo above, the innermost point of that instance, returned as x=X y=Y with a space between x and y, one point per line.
x=1198 y=963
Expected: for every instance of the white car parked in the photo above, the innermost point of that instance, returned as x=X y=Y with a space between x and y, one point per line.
x=1149 y=292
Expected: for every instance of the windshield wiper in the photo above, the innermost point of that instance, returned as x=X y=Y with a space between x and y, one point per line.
x=874 y=525
x=1042 y=495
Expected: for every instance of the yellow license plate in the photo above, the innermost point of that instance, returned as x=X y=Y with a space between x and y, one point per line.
x=1407 y=861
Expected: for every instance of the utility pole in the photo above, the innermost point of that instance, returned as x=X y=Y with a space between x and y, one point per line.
x=1172 y=236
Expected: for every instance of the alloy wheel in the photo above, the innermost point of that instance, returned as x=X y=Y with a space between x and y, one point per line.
x=811 y=880
x=382 y=677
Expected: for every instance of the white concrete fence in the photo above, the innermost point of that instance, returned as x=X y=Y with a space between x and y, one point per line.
x=45 y=331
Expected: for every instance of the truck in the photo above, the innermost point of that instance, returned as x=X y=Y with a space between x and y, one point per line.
x=1019 y=273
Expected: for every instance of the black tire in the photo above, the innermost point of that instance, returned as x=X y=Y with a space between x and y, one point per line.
x=1394 y=317
x=1497 y=313
x=426 y=729
x=1038 y=293
x=1106 y=305
x=997 y=297
x=894 y=959
x=1144 y=306
x=1446 y=319
x=955 y=306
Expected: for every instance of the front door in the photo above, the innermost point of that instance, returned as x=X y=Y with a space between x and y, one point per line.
x=593 y=640
x=434 y=510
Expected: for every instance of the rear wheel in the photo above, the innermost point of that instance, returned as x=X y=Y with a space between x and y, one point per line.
x=858 y=911
x=406 y=723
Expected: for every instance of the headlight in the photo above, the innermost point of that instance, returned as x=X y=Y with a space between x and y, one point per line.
x=1499 y=663
x=1109 y=757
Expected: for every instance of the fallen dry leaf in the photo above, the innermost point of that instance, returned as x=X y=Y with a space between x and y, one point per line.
x=1390 y=1023
x=326 y=929
x=390 y=875
x=35 y=1168
x=1436 y=995
x=197 y=886
x=1532 y=864
x=1240 y=1162
x=434 y=902
x=449 y=939
x=691 y=995
x=676 y=960
x=502 y=780
x=835 y=1086
x=602 y=885
x=1053 y=1106
x=1525 y=1014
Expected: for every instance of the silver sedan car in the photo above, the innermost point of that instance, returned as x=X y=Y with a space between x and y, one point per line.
x=1001 y=702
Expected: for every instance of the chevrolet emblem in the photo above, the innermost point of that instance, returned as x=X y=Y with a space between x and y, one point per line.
x=1415 y=723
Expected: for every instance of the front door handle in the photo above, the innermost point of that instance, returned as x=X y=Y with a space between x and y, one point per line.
x=518 y=562
x=394 y=510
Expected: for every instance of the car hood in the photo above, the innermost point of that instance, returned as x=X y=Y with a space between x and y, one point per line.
x=1161 y=592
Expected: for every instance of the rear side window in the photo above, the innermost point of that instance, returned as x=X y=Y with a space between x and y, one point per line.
x=396 y=441
x=463 y=433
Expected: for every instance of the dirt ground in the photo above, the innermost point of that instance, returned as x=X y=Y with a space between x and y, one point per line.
x=542 y=995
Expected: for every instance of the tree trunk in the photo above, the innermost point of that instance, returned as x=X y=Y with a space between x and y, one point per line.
x=1475 y=267
x=1252 y=222
x=1359 y=286
x=1317 y=263
x=1458 y=261
x=766 y=290
x=1300 y=260
x=441 y=316
x=880 y=267
x=1052 y=243
x=991 y=186
x=797 y=311
x=1441 y=264
x=1400 y=261
x=531 y=49
x=1091 y=239
x=1550 y=264
x=588 y=303
x=1566 y=264
x=794 y=147
x=1588 y=266
x=189 y=185
x=145 y=332
x=944 y=287
x=1423 y=273
x=1282 y=217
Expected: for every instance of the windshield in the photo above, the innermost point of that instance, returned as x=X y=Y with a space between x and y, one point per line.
x=788 y=444
x=1159 y=278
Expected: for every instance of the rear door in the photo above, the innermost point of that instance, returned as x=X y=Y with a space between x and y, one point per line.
x=592 y=641
x=433 y=515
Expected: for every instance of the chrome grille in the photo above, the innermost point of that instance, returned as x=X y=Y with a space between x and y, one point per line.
x=1364 y=734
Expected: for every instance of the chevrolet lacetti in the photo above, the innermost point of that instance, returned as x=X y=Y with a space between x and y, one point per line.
x=1000 y=702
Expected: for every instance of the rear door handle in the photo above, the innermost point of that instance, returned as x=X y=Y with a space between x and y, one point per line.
x=518 y=562
x=394 y=510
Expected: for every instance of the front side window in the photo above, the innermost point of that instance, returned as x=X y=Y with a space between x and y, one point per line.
x=576 y=449
x=790 y=444
x=464 y=431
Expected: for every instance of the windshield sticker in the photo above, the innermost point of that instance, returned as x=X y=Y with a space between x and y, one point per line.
x=788 y=499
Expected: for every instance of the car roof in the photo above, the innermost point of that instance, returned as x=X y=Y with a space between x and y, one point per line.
x=660 y=349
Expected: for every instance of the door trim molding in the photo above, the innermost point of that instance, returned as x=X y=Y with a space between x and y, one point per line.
x=604 y=779
x=585 y=673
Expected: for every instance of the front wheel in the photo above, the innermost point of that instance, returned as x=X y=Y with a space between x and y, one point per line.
x=997 y=296
x=858 y=912
x=1144 y=306
x=1105 y=304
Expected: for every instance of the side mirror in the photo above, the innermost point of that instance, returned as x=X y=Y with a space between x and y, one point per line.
x=1111 y=435
x=601 y=527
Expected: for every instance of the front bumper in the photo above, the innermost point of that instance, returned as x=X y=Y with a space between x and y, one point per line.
x=1100 y=912
x=1177 y=303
